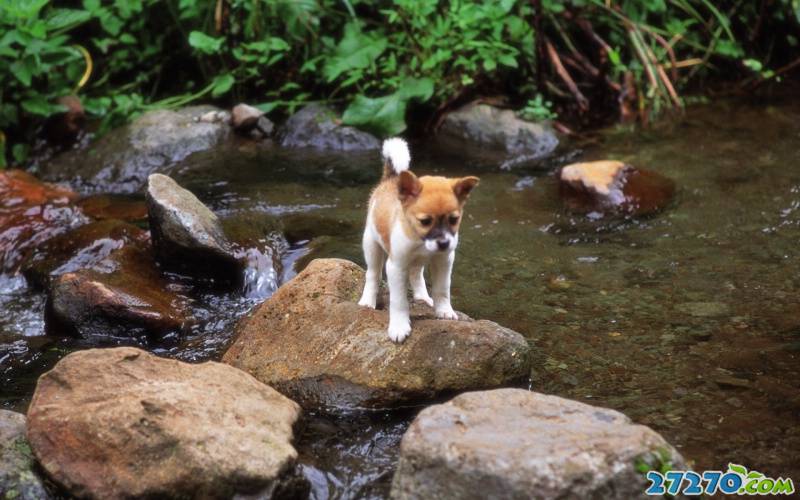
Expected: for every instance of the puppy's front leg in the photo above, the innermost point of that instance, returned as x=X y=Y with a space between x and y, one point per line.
x=441 y=267
x=399 y=320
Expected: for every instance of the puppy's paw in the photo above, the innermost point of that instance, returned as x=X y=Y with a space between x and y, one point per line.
x=426 y=299
x=367 y=302
x=399 y=332
x=448 y=313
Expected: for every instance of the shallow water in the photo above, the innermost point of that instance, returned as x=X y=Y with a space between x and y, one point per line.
x=687 y=321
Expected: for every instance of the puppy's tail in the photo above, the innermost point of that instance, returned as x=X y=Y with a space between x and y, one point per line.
x=396 y=157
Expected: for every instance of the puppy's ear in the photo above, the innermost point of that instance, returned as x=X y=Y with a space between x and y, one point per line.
x=408 y=186
x=463 y=186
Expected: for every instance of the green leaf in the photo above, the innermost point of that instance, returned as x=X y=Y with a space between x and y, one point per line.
x=38 y=105
x=20 y=152
x=23 y=70
x=66 y=18
x=385 y=116
x=266 y=107
x=416 y=88
x=205 y=43
x=356 y=50
x=222 y=84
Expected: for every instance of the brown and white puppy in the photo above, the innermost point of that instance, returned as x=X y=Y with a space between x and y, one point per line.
x=412 y=222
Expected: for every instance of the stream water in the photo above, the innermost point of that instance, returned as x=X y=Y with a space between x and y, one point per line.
x=687 y=321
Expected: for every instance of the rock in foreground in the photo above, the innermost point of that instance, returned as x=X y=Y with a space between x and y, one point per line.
x=316 y=126
x=613 y=187
x=123 y=423
x=187 y=236
x=312 y=342
x=17 y=478
x=512 y=443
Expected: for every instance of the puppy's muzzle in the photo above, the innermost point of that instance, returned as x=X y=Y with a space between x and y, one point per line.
x=442 y=244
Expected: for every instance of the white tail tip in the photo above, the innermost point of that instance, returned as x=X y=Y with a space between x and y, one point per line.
x=395 y=151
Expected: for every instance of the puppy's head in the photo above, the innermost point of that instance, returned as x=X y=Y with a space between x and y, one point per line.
x=433 y=207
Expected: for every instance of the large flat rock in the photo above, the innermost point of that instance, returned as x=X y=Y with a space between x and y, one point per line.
x=123 y=423
x=311 y=341
x=517 y=444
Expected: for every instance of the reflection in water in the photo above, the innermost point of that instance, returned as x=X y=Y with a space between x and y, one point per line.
x=687 y=321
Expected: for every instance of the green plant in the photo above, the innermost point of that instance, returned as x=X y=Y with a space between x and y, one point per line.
x=538 y=109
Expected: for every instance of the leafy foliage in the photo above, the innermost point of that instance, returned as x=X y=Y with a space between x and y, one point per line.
x=374 y=59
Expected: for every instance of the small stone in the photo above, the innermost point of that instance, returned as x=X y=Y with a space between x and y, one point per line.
x=244 y=117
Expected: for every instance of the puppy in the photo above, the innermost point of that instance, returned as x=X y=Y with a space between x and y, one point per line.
x=412 y=222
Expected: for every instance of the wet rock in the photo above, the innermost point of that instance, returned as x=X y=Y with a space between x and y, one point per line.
x=512 y=443
x=31 y=212
x=78 y=249
x=17 y=477
x=121 y=160
x=111 y=206
x=316 y=126
x=246 y=119
x=480 y=126
x=187 y=236
x=312 y=342
x=613 y=187
x=123 y=423
x=121 y=297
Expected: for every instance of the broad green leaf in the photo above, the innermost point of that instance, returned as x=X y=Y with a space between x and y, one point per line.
x=222 y=84
x=356 y=50
x=66 y=18
x=383 y=115
x=266 y=107
x=205 y=43
x=416 y=88
x=23 y=70
x=38 y=105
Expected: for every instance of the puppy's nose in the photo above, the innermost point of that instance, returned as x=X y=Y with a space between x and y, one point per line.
x=442 y=244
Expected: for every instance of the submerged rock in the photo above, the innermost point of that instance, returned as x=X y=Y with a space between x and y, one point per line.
x=123 y=423
x=120 y=297
x=312 y=342
x=316 y=126
x=17 y=477
x=110 y=206
x=121 y=160
x=481 y=126
x=512 y=443
x=31 y=212
x=78 y=249
x=613 y=187
x=187 y=236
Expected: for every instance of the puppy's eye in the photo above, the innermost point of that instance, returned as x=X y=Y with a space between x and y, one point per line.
x=453 y=220
x=426 y=221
